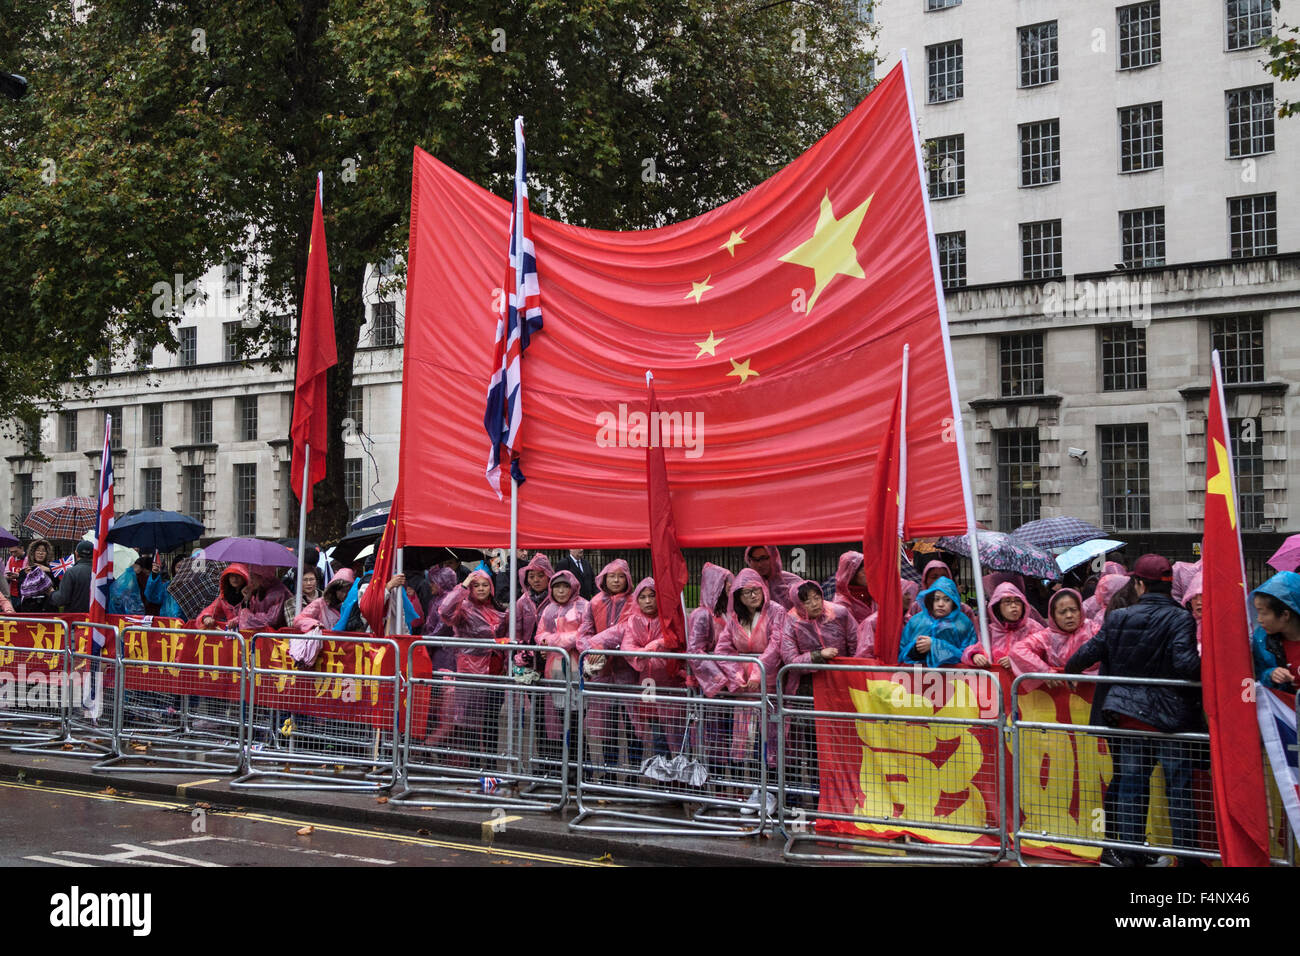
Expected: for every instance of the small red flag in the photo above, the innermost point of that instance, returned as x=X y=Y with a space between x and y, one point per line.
x=316 y=355
x=666 y=555
x=1227 y=675
x=880 y=539
x=371 y=603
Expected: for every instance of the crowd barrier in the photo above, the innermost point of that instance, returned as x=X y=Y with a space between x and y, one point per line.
x=486 y=725
x=92 y=712
x=655 y=757
x=35 y=694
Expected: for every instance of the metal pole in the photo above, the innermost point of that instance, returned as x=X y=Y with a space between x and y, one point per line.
x=397 y=613
x=302 y=524
x=902 y=446
x=514 y=543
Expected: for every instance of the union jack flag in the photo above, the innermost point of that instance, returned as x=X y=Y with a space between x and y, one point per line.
x=521 y=317
x=58 y=567
x=102 y=575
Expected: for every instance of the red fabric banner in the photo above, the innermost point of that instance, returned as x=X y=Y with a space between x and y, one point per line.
x=764 y=320
x=372 y=602
x=880 y=540
x=1240 y=811
x=669 y=566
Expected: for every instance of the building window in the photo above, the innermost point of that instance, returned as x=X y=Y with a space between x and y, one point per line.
x=143 y=355
x=1141 y=137
x=357 y=407
x=1249 y=21
x=246 y=500
x=387 y=267
x=151 y=488
x=1142 y=237
x=1018 y=476
x=189 y=345
x=1239 y=340
x=941 y=4
x=1252 y=225
x=103 y=366
x=115 y=433
x=231 y=350
x=352 y=485
x=1038 y=54
x=1040 y=153
x=1139 y=35
x=22 y=501
x=67 y=484
x=201 y=421
x=247 y=413
x=232 y=279
x=383 y=331
x=195 y=486
x=1020 y=361
x=1248 y=467
x=1123 y=358
x=67 y=431
x=947 y=166
x=1040 y=249
x=153 y=425
x=1125 y=477
x=1250 y=120
x=945 y=71
x=283 y=326
x=952 y=258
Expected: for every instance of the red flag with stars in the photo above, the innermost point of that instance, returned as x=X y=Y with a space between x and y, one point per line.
x=371 y=603
x=765 y=321
x=1227 y=671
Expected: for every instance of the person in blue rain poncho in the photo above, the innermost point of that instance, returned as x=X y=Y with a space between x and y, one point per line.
x=1275 y=643
x=938 y=632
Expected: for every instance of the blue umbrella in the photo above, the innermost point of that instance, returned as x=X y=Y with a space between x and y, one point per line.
x=155 y=530
x=1086 y=552
x=375 y=516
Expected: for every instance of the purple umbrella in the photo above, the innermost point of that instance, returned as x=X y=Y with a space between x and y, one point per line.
x=6 y=539
x=1287 y=557
x=251 y=551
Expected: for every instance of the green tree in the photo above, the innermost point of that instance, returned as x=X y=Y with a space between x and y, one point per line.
x=159 y=139
x=1283 y=47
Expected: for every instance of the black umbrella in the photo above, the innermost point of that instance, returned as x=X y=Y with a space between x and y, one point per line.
x=345 y=552
x=373 y=517
x=155 y=530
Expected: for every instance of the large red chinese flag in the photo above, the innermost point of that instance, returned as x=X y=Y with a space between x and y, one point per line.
x=764 y=320
x=371 y=603
x=665 y=554
x=316 y=354
x=1237 y=767
x=880 y=539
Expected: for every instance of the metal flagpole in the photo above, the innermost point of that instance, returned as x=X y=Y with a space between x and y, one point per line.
x=302 y=524
x=514 y=547
x=902 y=446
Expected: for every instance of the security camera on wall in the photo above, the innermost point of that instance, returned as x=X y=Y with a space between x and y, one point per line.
x=1080 y=455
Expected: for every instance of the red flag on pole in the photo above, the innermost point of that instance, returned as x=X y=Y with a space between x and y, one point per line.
x=371 y=603
x=316 y=354
x=880 y=536
x=1227 y=675
x=666 y=555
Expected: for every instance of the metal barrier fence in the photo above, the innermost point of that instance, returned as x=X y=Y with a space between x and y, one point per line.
x=89 y=677
x=179 y=701
x=35 y=694
x=490 y=725
x=1119 y=820
x=322 y=726
x=917 y=767
x=654 y=757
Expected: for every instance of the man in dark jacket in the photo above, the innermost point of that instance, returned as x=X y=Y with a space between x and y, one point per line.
x=1152 y=638
x=576 y=563
x=73 y=593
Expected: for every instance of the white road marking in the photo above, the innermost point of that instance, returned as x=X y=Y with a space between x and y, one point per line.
x=134 y=855
x=273 y=846
x=56 y=862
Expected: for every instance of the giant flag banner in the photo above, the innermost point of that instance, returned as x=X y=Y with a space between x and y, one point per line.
x=765 y=321
x=102 y=561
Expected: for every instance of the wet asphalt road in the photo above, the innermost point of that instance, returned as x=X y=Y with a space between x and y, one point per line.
x=62 y=825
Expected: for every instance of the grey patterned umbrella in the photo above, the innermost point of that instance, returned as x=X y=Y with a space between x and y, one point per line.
x=1059 y=532
x=1003 y=552
x=195 y=585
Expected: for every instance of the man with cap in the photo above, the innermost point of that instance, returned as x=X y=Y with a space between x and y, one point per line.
x=73 y=593
x=1152 y=638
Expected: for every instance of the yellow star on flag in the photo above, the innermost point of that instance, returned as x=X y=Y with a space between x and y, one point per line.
x=830 y=251
x=741 y=369
x=735 y=240
x=1221 y=483
x=708 y=345
x=699 y=288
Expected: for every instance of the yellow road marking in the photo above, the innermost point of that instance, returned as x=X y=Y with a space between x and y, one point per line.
x=410 y=840
x=182 y=787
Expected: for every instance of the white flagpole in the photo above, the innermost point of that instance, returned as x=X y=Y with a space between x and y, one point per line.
x=902 y=446
x=514 y=546
x=302 y=524
x=397 y=610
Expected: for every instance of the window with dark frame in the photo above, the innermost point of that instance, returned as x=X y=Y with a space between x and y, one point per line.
x=1038 y=54
x=1040 y=152
x=247 y=412
x=944 y=71
x=246 y=499
x=143 y=355
x=1123 y=358
x=1040 y=249
x=1139 y=35
x=1018 y=477
x=67 y=484
x=1020 y=364
x=1142 y=237
x=357 y=407
x=115 y=433
x=1249 y=22
x=383 y=327
x=1125 y=477
x=283 y=324
x=952 y=258
x=1141 y=137
x=931 y=5
x=23 y=500
x=153 y=425
x=352 y=485
x=151 y=488
x=946 y=162
x=1252 y=225
x=230 y=344
x=31 y=436
x=67 y=431
x=189 y=345
x=1248 y=468
x=1250 y=120
x=201 y=421
x=195 y=487
x=1239 y=340
x=232 y=279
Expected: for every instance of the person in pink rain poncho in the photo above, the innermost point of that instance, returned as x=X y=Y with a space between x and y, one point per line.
x=558 y=626
x=1107 y=588
x=755 y=627
x=1009 y=622
x=659 y=714
x=851 y=587
x=442 y=710
x=1046 y=651
x=534 y=594
x=600 y=631
x=1192 y=601
x=321 y=614
x=1095 y=605
x=264 y=609
x=469 y=610
x=815 y=632
x=705 y=626
x=766 y=560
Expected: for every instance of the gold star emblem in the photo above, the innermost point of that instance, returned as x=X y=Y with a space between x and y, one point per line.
x=708 y=345
x=699 y=288
x=830 y=251
x=735 y=240
x=741 y=369
x=1221 y=483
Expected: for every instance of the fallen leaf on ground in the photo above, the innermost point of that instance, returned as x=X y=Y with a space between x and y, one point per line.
x=607 y=858
x=305 y=831
x=423 y=832
x=204 y=806
x=381 y=799
x=108 y=790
